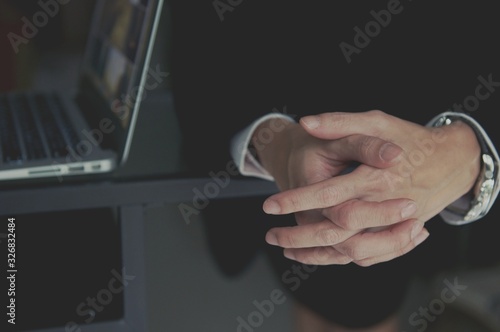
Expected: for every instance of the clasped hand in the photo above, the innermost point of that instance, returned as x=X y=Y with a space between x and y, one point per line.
x=405 y=174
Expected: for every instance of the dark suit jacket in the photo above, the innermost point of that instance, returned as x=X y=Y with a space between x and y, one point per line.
x=236 y=60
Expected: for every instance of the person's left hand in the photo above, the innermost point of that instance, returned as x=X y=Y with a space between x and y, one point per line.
x=437 y=167
x=297 y=159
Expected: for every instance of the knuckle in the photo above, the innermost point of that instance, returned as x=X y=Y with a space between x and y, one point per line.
x=290 y=202
x=328 y=256
x=328 y=237
x=302 y=258
x=321 y=255
x=305 y=257
x=367 y=145
x=376 y=113
x=328 y=195
x=337 y=119
x=401 y=252
x=377 y=179
x=404 y=250
x=400 y=243
x=295 y=202
x=379 y=117
x=285 y=240
x=344 y=260
x=318 y=255
x=347 y=216
x=354 y=252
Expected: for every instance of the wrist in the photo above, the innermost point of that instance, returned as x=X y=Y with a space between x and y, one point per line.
x=484 y=189
x=270 y=143
x=463 y=136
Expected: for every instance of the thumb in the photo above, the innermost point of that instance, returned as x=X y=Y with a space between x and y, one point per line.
x=368 y=150
x=336 y=125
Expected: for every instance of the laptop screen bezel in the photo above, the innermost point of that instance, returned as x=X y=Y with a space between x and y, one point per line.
x=95 y=107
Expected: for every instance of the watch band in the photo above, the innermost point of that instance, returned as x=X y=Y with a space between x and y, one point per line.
x=477 y=203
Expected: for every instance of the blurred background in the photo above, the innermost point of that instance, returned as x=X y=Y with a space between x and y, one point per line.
x=186 y=290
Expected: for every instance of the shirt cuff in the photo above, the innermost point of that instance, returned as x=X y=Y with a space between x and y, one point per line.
x=245 y=161
x=474 y=209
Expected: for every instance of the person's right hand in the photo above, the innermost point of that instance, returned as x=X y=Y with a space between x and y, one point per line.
x=296 y=159
x=440 y=165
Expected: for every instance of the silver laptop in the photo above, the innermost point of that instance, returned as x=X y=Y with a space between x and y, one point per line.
x=56 y=134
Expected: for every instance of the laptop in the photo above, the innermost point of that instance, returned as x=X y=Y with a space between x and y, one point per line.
x=58 y=134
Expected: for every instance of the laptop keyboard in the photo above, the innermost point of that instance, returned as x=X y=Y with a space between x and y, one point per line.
x=11 y=149
x=34 y=127
x=31 y=137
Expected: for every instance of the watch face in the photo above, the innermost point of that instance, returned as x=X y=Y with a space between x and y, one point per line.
x=483 y=190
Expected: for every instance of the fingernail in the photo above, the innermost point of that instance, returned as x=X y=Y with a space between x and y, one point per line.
x=389 y=152
x=271 y=207
x=421 y=237
x=408 y=210
x=417 y=228
x=289 y=254
x=311 y=122
x=271 y=239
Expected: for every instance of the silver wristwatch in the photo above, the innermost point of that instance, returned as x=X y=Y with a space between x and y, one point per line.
x=480 y=199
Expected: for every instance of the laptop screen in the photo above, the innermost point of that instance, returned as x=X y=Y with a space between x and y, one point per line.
x=117 y=45
x=115 y=66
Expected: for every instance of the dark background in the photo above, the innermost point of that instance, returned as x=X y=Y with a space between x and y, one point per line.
x=186 y=289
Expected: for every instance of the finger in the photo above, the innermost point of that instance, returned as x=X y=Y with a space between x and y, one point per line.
x=424 y=234
x=317 y=256
x=339 y=124
x=335 y=255
x=318 y=195
x=319 y=234
x=357 y=214
x=372 y=244
x=331 y=256
x=368 y=150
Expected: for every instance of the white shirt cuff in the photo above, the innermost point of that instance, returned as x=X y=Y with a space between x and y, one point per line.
x=464 y=202
x=245 y=161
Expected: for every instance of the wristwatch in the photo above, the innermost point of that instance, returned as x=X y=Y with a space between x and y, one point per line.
x=477 y=203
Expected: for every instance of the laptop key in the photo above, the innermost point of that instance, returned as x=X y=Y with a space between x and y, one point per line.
x=32 y=140
x=55 y=138
x=11 y=151
x=68 y=130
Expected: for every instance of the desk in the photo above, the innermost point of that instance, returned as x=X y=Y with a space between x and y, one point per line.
x=151 y=177
x=130 y=198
